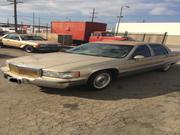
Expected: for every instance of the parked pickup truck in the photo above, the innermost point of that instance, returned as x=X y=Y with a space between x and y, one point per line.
x=95 y=64
x=105 y=36
x=29 y=43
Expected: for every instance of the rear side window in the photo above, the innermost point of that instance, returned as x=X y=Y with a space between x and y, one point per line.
x=159 y=50
x=142 y=50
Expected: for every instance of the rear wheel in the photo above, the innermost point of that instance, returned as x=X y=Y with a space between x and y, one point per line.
x=29 y=49
x=100 y=80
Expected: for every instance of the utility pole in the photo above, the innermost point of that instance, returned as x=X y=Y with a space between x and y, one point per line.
x=15 y=2
x=7 y=21
x=120 y=17
x=39 y=24
x=33 y=21
x=15 y=16
x=47 y=31
x=93 y=15
x=21 y=27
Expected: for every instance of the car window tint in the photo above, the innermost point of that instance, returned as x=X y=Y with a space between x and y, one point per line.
x=142 y=50
x=29 y=37
x=13 y=37
x=7 y=37
x=159 y=50
x=102 y=50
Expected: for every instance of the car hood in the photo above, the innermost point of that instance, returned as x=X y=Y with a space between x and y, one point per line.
x=58 y=61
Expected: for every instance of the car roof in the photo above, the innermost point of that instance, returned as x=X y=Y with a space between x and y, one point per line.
x=115 y=42
x=21 y=34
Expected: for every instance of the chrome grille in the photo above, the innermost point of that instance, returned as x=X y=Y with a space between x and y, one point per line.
x=25 y=71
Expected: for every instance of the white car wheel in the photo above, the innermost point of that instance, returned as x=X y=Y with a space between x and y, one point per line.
x=166 y=67
x=1 y=45
x=100 y=80
x=29 y=49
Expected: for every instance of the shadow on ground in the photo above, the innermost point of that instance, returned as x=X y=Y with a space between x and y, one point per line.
x=145 y=85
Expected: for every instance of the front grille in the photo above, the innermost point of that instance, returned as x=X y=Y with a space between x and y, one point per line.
x=25 y=71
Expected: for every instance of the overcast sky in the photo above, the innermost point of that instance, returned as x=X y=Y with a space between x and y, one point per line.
x=107 y=10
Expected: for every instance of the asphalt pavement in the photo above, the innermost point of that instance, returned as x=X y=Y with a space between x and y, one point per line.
x=142 y=104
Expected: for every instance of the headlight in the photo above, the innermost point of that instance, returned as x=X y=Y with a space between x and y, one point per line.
x=65 y=75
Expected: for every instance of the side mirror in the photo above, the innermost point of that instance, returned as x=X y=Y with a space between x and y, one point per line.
x=138 y=57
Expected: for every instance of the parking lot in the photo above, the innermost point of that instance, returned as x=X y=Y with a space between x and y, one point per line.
x=143 y=104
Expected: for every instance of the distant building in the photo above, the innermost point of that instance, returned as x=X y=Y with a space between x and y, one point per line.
x=150 y=28
x=23 y=28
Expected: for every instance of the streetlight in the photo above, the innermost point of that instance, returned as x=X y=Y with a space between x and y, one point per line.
x=120 y=16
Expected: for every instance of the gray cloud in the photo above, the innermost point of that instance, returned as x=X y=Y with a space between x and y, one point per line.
x=105 y=8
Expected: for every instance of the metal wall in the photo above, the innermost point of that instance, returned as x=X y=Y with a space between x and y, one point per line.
x=150 y=28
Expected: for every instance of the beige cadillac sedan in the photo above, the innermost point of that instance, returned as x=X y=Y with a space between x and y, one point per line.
x=95 y=64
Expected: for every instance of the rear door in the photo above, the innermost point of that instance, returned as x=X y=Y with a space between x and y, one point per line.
x=160 y=54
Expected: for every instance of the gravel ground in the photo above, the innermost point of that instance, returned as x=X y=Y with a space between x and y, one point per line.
x=143 y=104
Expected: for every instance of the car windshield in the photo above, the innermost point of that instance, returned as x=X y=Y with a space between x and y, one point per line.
x=107 y=34
x=102 y=50
x=29 y=37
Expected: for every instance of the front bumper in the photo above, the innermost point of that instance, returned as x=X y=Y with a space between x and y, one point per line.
x=40 y=81
x=48 y=48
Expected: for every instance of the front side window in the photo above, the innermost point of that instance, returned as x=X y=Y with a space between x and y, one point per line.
x=102 y=50
x=159 y=50
x=142 y=50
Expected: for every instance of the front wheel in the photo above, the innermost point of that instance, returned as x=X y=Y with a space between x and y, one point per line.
x=1 y=45
x=100 y=80
x=166 y=67
x=29 y=49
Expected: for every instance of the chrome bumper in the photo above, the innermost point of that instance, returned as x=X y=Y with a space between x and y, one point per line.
x=41 y=81
x=48 y=48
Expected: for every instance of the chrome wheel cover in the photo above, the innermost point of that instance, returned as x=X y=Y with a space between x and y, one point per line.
x=102 y=80
x=166 y=67
x=29 y=49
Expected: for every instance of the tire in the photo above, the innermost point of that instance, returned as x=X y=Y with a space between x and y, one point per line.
x=99 y=80
x=166 y=67
x=1 y=45
x=29 y=49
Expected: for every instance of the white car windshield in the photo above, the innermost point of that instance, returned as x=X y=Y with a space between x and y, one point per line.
x=102 y=50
